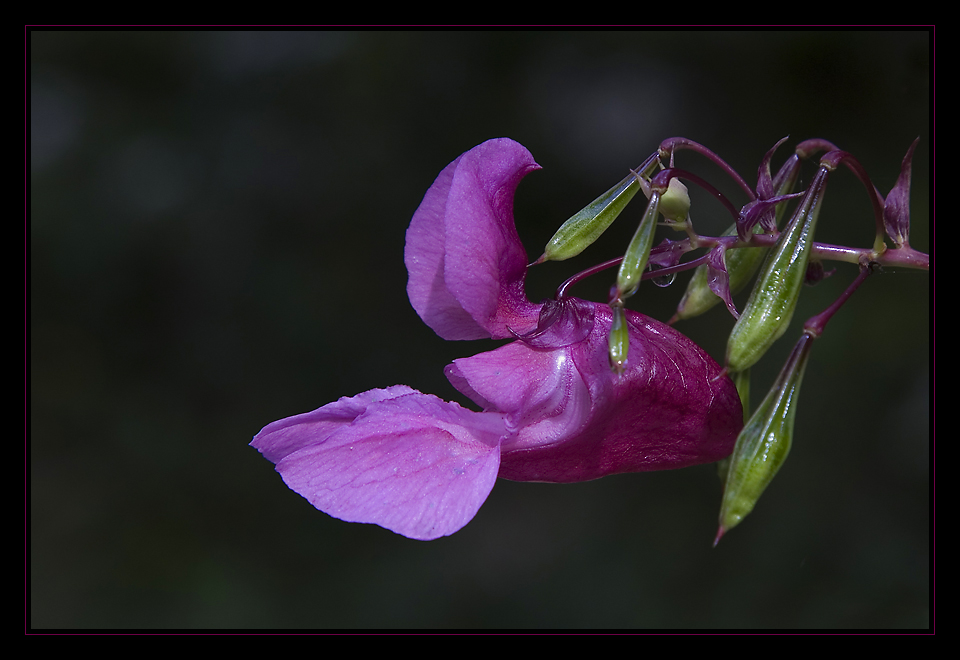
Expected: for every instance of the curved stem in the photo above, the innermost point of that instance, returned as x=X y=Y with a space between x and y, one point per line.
x=815 y=324
x=672 y=144
x=834 y=159
x=562 y=289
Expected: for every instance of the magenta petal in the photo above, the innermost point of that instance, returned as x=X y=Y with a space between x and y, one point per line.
x=668 y=409
x=465 y=260
x=414 y=464
x=560 y=323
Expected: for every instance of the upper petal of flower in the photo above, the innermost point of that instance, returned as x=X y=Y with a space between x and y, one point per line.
x=465 y=260
x=406 y=461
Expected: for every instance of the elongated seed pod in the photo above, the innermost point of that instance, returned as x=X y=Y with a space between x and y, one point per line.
x=638 y=252
x=770 y=307
x=764 y=442
x=584 y=228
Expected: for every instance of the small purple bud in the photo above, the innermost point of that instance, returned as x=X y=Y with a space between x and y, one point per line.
x=896 y=208
x=816 y=272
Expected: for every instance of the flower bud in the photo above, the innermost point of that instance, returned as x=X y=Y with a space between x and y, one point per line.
x=675 y=202
x=764 y=442
x=896 y=207
x=774 y=297
x=638 y=252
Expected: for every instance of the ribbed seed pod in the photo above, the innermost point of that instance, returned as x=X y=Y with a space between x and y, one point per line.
x=770 y=307
x=638 y=252
x=584 y=228
x=764 y=442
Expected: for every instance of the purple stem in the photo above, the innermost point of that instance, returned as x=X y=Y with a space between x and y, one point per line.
x=906 y=257
x=672 y=144
x=815 y=324
x=834 y=159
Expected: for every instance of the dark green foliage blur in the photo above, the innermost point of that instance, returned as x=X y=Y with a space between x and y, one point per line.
x=215 y=241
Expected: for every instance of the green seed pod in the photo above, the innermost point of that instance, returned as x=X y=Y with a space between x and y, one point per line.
x=764 y=442
x=770 y=307
x=619 y=339
x=581 y=230
x=638 y=252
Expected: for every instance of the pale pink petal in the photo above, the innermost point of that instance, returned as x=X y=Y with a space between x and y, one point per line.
x=414 y=464
x=283 y=437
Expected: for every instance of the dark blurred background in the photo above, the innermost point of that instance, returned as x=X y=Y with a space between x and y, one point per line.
x=216 y=241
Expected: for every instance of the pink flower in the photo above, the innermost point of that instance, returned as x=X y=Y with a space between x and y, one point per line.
x=553 y=410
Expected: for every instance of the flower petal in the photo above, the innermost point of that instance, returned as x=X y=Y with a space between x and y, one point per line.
x=465 y=260
x=283 y=437
x=540 y=391
x=414 y=464
x=575 y=420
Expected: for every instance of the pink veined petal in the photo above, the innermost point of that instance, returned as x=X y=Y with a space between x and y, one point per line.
x=464 y=257
x=486 y=262
x=665 y=412
x=560 y=323
x=414 y=464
